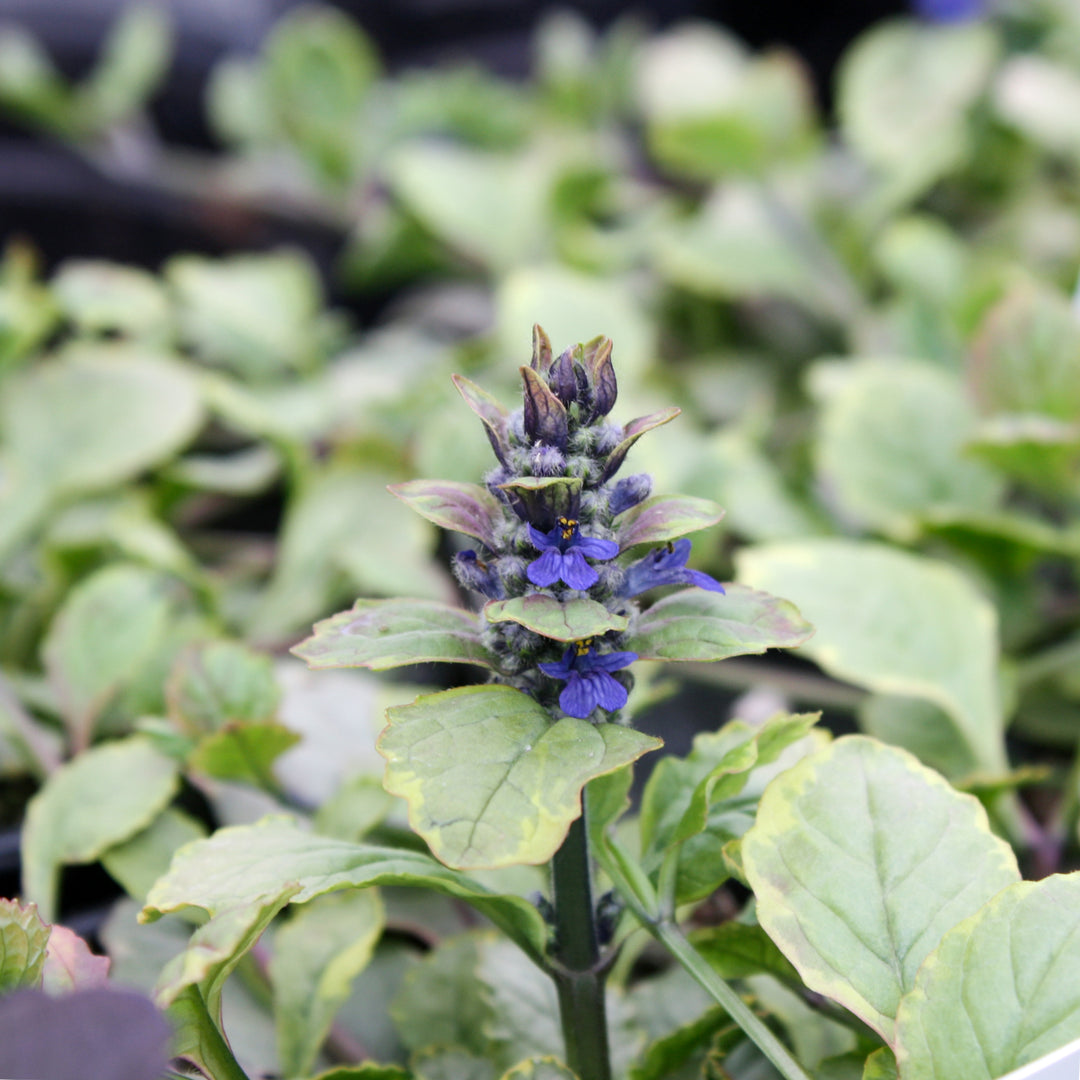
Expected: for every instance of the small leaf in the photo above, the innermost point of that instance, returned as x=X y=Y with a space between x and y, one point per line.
x=632 y=432
x=665 y=517
x=895 y=623
x=317 y=953
x=70 y=965
x=493 y=415
x=102 y=797
x=880 y=1065
x=570 y=620
x=694 y=624
x=381 y=634
x=737 y=950
x=24 y=939
x=102 y=297
x=490 y=780
x=110 y=625
x=1001 y=989
x=861 y=859
x=245 y=865
x=464 y=508
x=218 y=683
x=243 y=752
x=545 y=415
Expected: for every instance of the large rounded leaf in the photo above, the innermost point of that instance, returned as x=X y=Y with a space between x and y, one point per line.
x=489 y=779
x=895 y=623
x=98 y=416
x=570 y=620
x=1002 y=988
x=861 y=859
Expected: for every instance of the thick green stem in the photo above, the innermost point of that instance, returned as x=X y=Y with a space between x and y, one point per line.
x=579 y=975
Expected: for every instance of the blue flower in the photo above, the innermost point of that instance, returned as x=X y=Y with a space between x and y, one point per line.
x=589 y=682
x=476 y=574
x=563 y=559
x=945 y=11
x=665 y=566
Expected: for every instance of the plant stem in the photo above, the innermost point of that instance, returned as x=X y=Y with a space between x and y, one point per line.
x=579 y=974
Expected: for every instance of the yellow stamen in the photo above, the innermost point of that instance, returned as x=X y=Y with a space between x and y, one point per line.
x=568 y=525
x=582 y=647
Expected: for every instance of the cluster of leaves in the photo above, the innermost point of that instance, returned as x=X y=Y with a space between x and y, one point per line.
x=869 y=328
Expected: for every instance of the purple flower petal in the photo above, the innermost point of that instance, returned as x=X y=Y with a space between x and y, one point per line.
x=609 y=692
x=546 y=570
x=578 y=697
x=703 y=581
x=596 y=548
x=611 y=661
x=576 y=572
x=560 y=669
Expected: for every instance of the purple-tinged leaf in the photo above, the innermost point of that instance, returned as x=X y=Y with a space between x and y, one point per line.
x=571 y=620
x=632 y=432
x=463 y=508
x=493 y=415
x=546 y=498
x=541 y=350
x=98 y=1034
x=381 y=634
x=697 y=625
x=70 y=965
x=605 y=388
x=545 y=414
x=666 y=517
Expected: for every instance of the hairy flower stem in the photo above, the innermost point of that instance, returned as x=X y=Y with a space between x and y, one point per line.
x=578 y=975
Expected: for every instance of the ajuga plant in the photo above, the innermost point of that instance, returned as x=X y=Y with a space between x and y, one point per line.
x=566 y=549
x=533 y=764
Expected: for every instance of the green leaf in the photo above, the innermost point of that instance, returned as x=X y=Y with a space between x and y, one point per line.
x=1037 y=450
x=254 y=314
x=243 y=752
x=892 y=444
x=861 y=859
x=245 y=865
x=366 y=1070
x=905 y=89
x=736 y=950
x=346 y=534
x=381 y=634
x=632 y=432
x=464 y=508
x=570 y=620
x=317 y=954
x=1041 y=98
x=197 y=1039
x=30 y=85
x=319 y=69
x=895 y=623
x=140 y=860
x=440 y=1003
x=489 y=779
x=24 y=939
x=694 y=624
x=1026 y=356
x=103 y=297
x=539 y=1068
x=134 y=61
x=217 y=683
x=491 y=207
x=357 y=806
x=665 y=517
x=110 y=625
x=98 y=415
x=1001 y=990
x=880 y=1065
x=99 y=799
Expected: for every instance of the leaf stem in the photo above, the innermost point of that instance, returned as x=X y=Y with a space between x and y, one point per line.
x=579 y=972
x=641 y=898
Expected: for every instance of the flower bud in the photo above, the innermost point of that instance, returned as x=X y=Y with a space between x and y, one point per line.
x=544 y=414
x=628 y=492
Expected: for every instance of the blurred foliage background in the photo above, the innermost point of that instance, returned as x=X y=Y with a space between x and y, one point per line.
x=220 y=342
